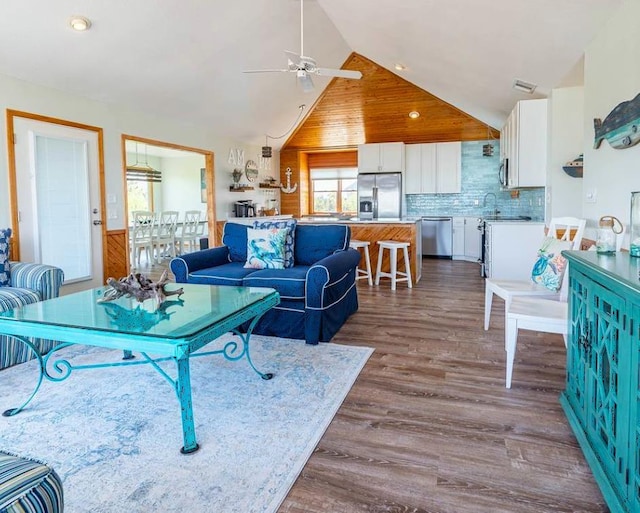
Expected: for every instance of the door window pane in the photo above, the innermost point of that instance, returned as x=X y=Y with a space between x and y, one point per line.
x=62 y=191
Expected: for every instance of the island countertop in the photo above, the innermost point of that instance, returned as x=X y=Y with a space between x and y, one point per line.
x=357 y=220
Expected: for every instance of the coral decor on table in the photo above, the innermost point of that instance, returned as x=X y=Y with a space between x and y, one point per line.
x=141 y=288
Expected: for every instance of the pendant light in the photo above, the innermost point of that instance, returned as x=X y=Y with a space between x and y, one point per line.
x=267 y=151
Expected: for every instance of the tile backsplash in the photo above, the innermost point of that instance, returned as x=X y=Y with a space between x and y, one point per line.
x=479 y=177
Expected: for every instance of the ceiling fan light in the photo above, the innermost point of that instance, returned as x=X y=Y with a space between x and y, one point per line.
x=79 y=23
x=414 y=114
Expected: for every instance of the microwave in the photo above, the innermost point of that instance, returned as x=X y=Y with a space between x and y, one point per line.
x=503 y=173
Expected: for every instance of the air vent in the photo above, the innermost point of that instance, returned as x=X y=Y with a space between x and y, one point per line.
x=525 y=87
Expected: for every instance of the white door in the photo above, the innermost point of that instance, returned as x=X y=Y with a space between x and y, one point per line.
x=59 y=206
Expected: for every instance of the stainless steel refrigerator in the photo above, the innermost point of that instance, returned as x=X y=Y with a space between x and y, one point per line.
x=386 y=191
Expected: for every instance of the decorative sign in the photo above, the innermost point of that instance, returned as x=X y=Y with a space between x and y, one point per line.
x=621 y=127
x=236 y=157
x=288 y=189
x=264 y=163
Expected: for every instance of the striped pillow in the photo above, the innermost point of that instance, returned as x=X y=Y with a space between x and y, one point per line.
x=5 y=278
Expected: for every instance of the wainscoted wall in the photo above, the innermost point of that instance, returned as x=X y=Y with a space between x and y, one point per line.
x=479 y=177
x=116 y=255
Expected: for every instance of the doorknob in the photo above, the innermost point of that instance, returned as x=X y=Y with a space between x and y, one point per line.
x=97 y=222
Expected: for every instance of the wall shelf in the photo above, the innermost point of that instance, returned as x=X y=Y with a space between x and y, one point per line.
x=269 y=186
x=240 y=189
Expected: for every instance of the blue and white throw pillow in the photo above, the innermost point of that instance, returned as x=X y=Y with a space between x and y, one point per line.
x=550 y=266
x=5 y=277
x=290 y=225
x=265 y=248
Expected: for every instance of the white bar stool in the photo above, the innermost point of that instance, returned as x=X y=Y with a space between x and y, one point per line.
x=366 y=272
x=393 y=247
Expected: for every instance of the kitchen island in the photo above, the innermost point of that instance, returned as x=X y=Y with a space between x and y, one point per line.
x=405 y=229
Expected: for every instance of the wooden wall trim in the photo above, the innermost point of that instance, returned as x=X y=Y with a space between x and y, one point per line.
x=116 y=254
x=333 y=159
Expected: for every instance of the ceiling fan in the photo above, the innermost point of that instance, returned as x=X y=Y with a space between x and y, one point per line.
x=304 y=66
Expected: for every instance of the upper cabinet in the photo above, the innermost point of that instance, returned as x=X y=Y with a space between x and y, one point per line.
x=381 y=158
x=523 y=142
x=433 y=168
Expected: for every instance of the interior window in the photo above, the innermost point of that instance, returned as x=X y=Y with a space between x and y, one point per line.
x=139 y=196
x=334 y=190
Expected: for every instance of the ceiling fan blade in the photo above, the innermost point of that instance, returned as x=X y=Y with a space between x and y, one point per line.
x=305 y=81
x=293 y=59
x=266 y=70
x=342 y=73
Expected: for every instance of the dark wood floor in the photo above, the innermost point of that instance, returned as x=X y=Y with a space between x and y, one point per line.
x=430 y=427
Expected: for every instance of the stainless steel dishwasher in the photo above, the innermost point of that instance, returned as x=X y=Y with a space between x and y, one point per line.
x=437 y=237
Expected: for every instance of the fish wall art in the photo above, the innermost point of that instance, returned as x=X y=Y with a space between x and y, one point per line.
x=621 y=127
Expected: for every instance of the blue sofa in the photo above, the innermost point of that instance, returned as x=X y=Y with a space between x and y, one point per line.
x=318 y=293
x=29 y=283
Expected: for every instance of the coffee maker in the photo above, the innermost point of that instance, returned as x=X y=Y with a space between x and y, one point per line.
x=245 y=208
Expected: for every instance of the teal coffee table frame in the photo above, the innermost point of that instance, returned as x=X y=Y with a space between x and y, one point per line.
x=175 y=331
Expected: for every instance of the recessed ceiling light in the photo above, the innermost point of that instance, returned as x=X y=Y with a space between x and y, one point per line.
x=414 y=114
x=400 y=67
x=79 y=23
x=525 y=87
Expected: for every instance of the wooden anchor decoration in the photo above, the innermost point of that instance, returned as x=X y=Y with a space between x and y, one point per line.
x=288 y=189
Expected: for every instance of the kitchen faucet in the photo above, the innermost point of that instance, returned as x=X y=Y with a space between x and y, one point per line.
x=495 y=203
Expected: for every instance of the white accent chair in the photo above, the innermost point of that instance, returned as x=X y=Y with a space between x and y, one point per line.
x=164 y=239
x=560 y=228
x=536 y=314
x=190 y=231
x=141 y=236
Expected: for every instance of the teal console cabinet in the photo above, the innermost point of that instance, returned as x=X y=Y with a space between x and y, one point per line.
x=601 y=396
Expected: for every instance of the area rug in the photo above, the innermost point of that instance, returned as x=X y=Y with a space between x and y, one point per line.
x=114 y=434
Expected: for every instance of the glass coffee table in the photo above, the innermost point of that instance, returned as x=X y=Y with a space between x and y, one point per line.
x=175 y=331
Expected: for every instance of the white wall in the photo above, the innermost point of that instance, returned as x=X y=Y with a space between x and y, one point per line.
x=181 y=184
x=566 y=141
x=225 y=164
x=115 y=120
x=612 y=75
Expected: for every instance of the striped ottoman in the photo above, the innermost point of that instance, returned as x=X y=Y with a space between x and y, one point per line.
x=28 y=486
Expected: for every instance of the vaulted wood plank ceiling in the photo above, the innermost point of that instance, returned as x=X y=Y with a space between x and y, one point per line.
x=376 y=109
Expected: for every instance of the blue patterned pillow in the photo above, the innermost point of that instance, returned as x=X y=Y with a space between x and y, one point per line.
x=550 y=266
x=290 y=225
x=265 y=248
x=5 y=278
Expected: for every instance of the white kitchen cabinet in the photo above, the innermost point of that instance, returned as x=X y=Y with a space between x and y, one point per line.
x=433 y=168
x=511 y=249
x=472 y=239
x=523 y=141
x=448 y=166
x=420 y=172
x=458 y=238
x=381 y=158
x=466 y=239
